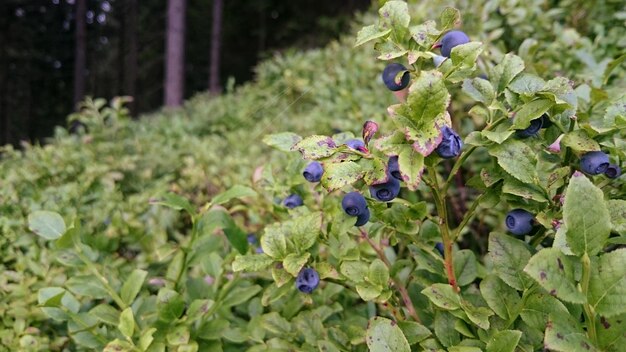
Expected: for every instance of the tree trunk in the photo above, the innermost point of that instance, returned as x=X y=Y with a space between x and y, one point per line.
x=216 y=41
x=175 y=53
x=131 y=61
x=80 y=61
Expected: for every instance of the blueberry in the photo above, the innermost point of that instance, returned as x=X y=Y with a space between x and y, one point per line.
x=450 y=145
x=259 y=250
x=519 y=222
x=387 y=191
x=355 y=144
x=313 y=172
x=533 y=129
x=293 y=201
x=545 y=121
x=354 y=204
x=391 y=72
x=307 y=280
x=439 y=247
x=438 y=60
x=613 y=171
x=252 y=238
x=393 y=168
x=363 y=218
x=594 y=163
x=452 y=39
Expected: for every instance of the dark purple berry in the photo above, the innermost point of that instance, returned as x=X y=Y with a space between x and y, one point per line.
x=354 y=204
x=519 y=222
x=308 y=279
x=450 y=145
x=293 y=201
x=594 y=163
x=393 y=168
x=363 y=218
x=533 y=129
x=387 y=191
x=452 y=39
x=391 y=72
x=313 y=172
x=613 y=171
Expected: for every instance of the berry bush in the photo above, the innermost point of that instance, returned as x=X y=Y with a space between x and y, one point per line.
x=482 y=210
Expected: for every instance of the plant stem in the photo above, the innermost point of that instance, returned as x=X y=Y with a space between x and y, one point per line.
x=440 y=204
x=590 y=316
x=468 y=215
x=107 y=286
x=403 y=292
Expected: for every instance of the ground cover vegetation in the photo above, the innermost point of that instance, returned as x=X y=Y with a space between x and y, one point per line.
x=475 y=205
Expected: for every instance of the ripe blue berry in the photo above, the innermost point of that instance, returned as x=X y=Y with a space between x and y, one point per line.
x=252 y=238
x=393 y=168
x=533 y=129
x=259 y=250
x=452 y=39
x=307 y=280
x=613 y=171
x=594 y=163
x=354 y=204
x=391 y=72
x=363 y=218
x=293 y=201
x=387 y=191
x=450 y=145
x=519 y=222
x=355 y=144
x=545 y=121
x=439 y=247
x=313 y=172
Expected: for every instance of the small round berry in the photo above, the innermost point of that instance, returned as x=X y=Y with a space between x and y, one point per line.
x=450 y=145
x=293 y=201
x=519 y=221
x=308 y=279
x=390 y=73
x=387 y=191
x=613 y=171
x=393 y=168
x=452 y=39
x=533 y=129
x=313 y=172
x=594 y=163
x=363 y=218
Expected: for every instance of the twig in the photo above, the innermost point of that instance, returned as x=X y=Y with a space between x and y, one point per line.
x=403 y=292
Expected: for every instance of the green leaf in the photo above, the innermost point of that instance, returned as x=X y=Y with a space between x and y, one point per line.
x=497 y=136
x=524 y=190
x=384 y=335
x=212 y=264
x=375 y=170
x=480 y=90
x=117 y=345
x=47 y=224
x=465 y=267
x=273 y=242
x=395 y=15
x=424 y=34
x=146 y=338
x=389 y=50
x=178 y=336
x=337 y=175
x=175 y=267
x=198 y=309
x=615 y=63
x=354 y=270
x=176 y=202
x=526 y=84
x=293 y=262
x=315 y=147
x=538 y=307
x=369 y=33
x=563 y=334
x=240 y=295
x=580 y=141
x=237 y=238
x=170 y=304
x=253 y=262
x=427 y=98
x=283 y=141
x=611 y=337
x=127 y=322
x=504 y=341
x=411 y=166
x=449 y=18
x=132 y=286
x=392 y=144
x=478 y=315
x=275 y=323
x=509 y=257
x=504 y=72
x=517 y=159
x=531 y=111
x=607 y=285
x=617 y=211
x=501 y=298
x=305 y=231
x=465 y=55
x=443 y=296
x=378 y=273
x=414 y=332
x=106 y=314
x=86 y=285
x=234 y=192
x=368 y=291
x=445 y=328
x=50 y=296
x=554 y=271
x=586 y=216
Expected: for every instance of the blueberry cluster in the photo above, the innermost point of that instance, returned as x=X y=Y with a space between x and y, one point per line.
x=597 y=162
x=354 y=204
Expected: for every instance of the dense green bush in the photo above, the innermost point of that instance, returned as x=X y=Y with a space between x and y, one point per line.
x=131 y=272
